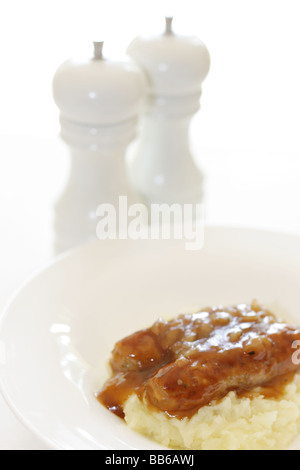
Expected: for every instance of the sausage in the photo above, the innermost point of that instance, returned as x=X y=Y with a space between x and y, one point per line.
x=137 y=351
x=190 y=361
x=197 y=379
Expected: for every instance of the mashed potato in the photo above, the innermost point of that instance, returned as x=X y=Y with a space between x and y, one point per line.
x=231 y=424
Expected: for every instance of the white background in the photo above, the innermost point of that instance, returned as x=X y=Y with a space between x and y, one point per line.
x=247 y=131
x=251 y=98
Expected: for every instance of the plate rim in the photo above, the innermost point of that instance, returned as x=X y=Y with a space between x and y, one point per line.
x=49 y=441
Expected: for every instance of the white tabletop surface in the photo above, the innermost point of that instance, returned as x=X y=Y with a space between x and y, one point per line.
x=255 y=189
x=29 y=173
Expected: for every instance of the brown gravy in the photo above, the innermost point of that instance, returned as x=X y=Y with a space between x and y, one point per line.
x=196 y=359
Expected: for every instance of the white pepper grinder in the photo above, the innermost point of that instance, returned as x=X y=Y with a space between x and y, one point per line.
x=99 y=101
x=162 y=165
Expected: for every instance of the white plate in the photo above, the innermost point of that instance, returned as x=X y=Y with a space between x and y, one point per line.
x=60 y=327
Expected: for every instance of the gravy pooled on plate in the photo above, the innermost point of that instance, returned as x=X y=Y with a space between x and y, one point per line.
x=180 y=365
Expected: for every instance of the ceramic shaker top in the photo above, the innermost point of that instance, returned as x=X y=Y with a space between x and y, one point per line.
x=173 y=64
x=97 y=90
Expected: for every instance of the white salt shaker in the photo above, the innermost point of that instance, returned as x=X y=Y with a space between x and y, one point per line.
x=99 y=102
x=162 y=167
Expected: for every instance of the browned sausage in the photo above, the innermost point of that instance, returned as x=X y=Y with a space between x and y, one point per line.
x=194 y=359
